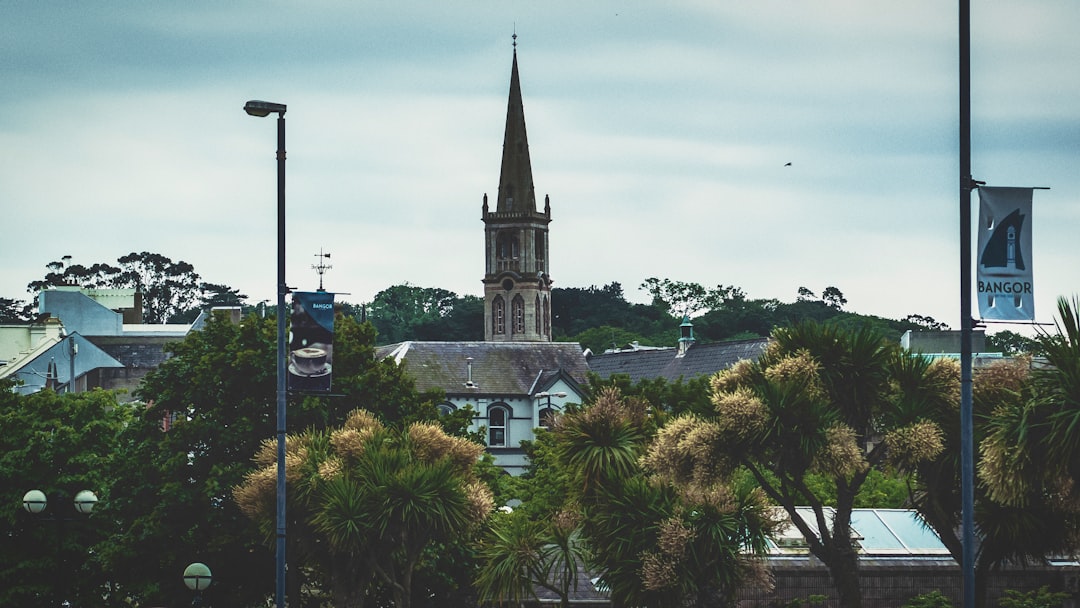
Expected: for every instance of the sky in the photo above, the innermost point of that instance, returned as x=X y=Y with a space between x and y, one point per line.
x=662 y=132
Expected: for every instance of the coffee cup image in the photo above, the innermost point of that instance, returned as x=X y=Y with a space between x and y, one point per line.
x=309 y=361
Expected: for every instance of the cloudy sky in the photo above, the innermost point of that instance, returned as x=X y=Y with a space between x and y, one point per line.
x=660 y=130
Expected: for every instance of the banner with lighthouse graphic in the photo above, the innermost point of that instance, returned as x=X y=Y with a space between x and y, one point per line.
x=1003 y=266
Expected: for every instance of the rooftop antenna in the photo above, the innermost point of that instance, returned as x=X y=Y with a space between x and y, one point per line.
x=322 y=266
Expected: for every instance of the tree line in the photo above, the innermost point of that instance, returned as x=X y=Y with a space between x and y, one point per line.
x=598 y=318
x=667 y=490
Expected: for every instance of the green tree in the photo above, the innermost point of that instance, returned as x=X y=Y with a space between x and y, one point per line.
x=217 y=392
x=1009 y=533
x=923 y=322
x=1012 y=343
x=576 y=311
x=683 y=299
x=656 y=540
x=214 y=399
x=814 y=403
x=463 y=322
x=370 y=500
x=600 y=339
x=64 y=272
x=399 y=310
x=1029 y=457
x=60 y=444
x=833 y=297
x=14 y=311
x=1039 y=598
x=520 y=553
x=168 y=288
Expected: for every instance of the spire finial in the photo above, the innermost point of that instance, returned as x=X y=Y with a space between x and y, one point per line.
x=515 y=37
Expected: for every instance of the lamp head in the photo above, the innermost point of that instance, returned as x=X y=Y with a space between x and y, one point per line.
x=264 y=108
x=34 y=501
x=85 y=501
x=197 y=576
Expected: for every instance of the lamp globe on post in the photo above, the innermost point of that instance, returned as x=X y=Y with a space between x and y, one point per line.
x=85 y=501
x=197 y=577
x=34 y=501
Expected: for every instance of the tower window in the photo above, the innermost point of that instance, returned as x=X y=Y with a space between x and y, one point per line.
x=508 y=251
x=547 y=317
x=498 y=315
x=536 y=314
x=519 y=314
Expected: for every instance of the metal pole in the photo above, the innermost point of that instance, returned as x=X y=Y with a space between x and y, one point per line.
x=967 y=450
x=279 y=596
x=72 y=351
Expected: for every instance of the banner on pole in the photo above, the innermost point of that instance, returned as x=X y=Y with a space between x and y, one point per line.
x=1003 y=275
x=311 y=342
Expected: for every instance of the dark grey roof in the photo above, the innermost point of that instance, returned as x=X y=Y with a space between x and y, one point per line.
x=699 y=360
x=498 y=368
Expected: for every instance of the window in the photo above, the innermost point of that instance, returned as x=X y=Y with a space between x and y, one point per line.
x=497 y=418
x=547 y=317
x=498 y=315
x=519 y=314
x=536 y=315
x=507 y=251
x=445 y=409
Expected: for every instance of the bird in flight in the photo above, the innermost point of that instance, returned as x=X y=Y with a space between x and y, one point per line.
x=787 y=164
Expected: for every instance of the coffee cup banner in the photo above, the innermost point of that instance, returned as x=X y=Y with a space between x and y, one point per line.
x=311 y=342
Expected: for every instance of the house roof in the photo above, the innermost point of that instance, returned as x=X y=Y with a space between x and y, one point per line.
x=33 y=368
x=498 y=368
x=698 y=360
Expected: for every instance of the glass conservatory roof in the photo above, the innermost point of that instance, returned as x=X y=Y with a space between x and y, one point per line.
x=884 y=532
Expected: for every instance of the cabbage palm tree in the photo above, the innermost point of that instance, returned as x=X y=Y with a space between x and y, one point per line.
x=377 y=497
x=821 y=400
x=519 y=554
x=655 y=541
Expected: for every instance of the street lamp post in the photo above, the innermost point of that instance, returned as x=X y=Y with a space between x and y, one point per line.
x=549 y=396
x=35 y=503
x=262 y=109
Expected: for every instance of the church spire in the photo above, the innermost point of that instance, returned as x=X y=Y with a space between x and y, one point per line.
x=517 y=286
x=516 y=193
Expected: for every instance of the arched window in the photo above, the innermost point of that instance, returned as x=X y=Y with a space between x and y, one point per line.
x=538 y=238
x=498 y=417
x=537 y=315
x=498 y=315
x=518 y=308
x=445 y=409
x=547 y=417
x=547 y=317
x=507 y=251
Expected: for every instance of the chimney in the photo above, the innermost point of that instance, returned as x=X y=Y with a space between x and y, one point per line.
x=686 y=336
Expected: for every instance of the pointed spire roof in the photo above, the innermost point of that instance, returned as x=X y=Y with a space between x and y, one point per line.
x=516 y=192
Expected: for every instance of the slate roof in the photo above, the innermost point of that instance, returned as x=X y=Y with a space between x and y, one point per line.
x=699 y=360
x=498 y=368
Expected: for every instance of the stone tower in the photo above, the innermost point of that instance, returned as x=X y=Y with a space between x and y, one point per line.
x=517 y=287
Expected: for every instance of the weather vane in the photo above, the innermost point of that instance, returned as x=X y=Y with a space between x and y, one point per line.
x=322 y=266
